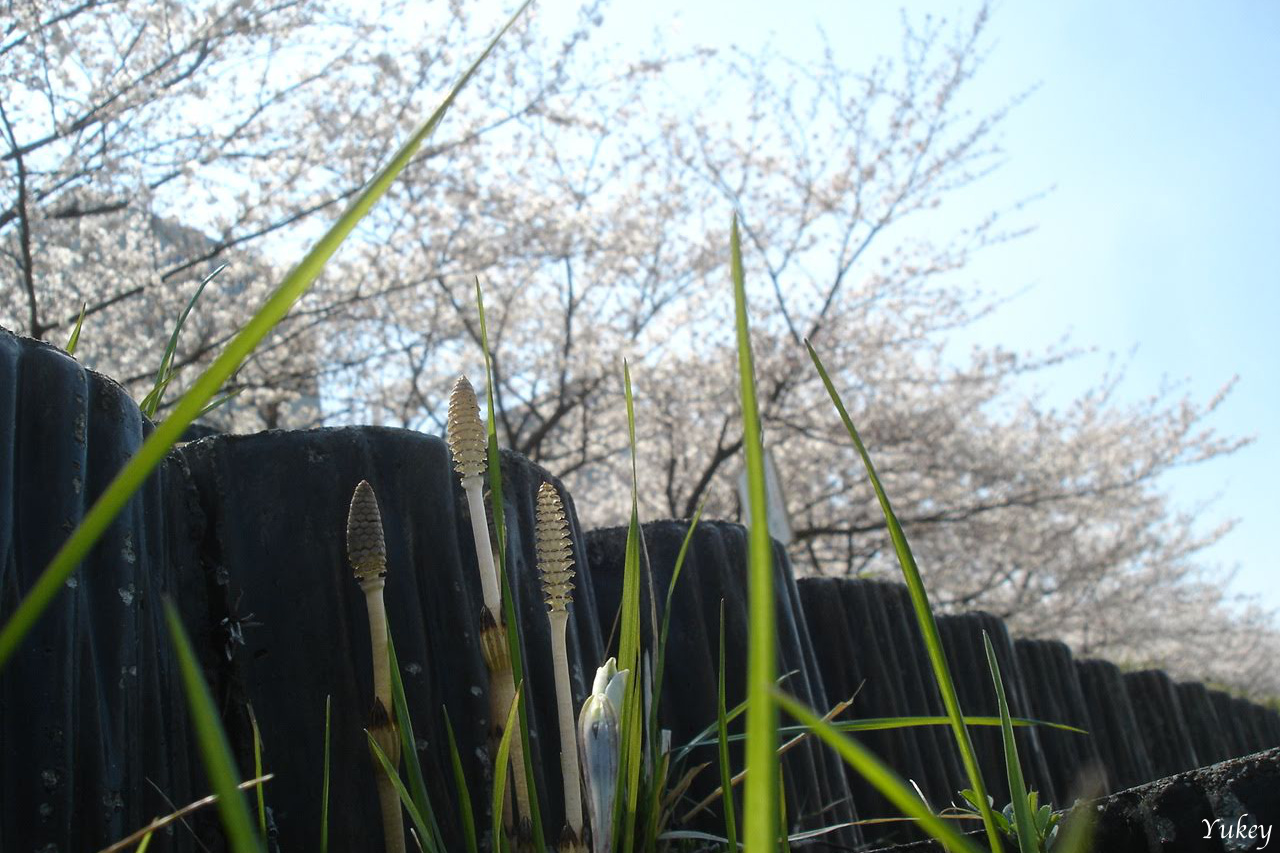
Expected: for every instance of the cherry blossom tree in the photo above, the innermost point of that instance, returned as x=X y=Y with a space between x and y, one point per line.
x=143 y=144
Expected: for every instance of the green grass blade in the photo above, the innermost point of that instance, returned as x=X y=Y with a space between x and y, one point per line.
x=653 y=815
x=71 y=348
x=144 y=843
x=517 y=674
x=655 y=789
x=888 y=783
x=709 y=736
x=924 y=613
x=1023 y=821
x=498 y=507
x=324 y=792
x=500 y=763
x=406 y=799
x=257 y=772
x=151 y=403
x=153 y=450
x=409 y=752
x=726 y=772
x=760 y=799
x=660 y=666
x=495 y=458
x=784 y=840
x=225 y=398
x=465 y=815
x=215 y=752
x=630 y=763
x=875 y=724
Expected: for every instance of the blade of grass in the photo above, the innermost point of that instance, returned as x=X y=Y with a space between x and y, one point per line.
x=406 y=799
x=225 y=398
x=296 y=283
x=708 y=735
x=75 y=337
x=660 y=666
x=324 y=793
x=629 y=647
x=655 y=790
x=879 y=775
x=467 y=818
x=215 y=752
x=760 y=799
x=176 y=816
x=145 y=843
x=722 y=726
x=1022 y=819
x=500 y=771
x=923 y=611
x=495 y=458
x=151 y=403
x=875 y=724
x=508 y=603
x=409 y=752
x=784 y=841
x=257 y=771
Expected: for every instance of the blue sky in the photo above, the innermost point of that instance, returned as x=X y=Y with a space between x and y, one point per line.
x=1156 y=126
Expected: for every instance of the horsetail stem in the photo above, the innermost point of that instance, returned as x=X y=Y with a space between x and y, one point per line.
x=555 y=562
x=468 y=442
x=367 y=552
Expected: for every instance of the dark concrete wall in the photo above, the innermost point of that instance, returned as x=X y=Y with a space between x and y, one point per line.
x=94 y=736
x=248 y=532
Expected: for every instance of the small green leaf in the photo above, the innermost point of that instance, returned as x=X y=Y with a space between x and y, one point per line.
x=409 y=753
x=726 y=772
x=402 y=792
x=71 y=350
x=324 y=791
x=460 y=786
x=257 y=772
x=500 y=763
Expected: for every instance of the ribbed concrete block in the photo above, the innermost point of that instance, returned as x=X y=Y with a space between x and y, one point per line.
x=1055 y=695
x=1160 y=722
x=962 y=638
x=1116 y=728
x=276 y=505
x=94 y=733
x=943 y=775
x=1207 y=734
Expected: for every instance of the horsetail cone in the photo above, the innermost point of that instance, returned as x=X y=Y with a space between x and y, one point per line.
x=555 y=565
x=367 y=552
x=468 y=442
x=366 y=545
x=467 y=439
x=554 y=550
